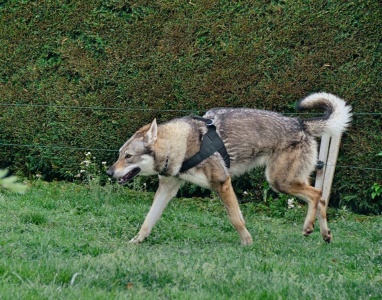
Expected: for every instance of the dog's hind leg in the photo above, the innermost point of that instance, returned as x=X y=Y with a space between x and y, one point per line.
x=311 y=196
x=321 y=214
x=168 y=187
x=228 y=197
x=288 y=172
x=316 y=206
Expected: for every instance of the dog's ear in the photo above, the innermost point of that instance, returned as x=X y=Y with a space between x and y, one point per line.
x=152 y=133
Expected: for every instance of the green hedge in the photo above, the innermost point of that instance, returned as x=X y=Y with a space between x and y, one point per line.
x=182 y=57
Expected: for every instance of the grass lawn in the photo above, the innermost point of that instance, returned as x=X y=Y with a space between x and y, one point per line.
x=67 y=241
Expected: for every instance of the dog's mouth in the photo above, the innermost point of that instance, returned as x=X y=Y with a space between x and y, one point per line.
x=134 y=172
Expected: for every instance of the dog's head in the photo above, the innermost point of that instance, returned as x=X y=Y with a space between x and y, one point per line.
x=136 y=155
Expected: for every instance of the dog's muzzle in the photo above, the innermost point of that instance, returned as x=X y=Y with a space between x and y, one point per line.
x=110 y=172
x=127 y=177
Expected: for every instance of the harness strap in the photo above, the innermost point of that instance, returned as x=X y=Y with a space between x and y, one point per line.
x=211 y=142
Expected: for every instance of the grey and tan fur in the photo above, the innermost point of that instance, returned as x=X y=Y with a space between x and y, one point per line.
x=285 y=146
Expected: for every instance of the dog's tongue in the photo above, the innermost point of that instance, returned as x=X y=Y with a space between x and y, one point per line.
x=129 y=176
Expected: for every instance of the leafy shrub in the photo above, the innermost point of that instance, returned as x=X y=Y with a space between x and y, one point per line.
x=61 y=62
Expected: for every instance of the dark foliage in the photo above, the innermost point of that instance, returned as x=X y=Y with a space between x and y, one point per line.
x=187 y=56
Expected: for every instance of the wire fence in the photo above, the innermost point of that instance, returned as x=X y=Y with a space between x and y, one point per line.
x=27 y=105
x=94 y=107
x=74 y=107
x=116 y=150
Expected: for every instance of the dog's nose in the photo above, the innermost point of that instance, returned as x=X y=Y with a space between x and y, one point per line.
x=110 y=172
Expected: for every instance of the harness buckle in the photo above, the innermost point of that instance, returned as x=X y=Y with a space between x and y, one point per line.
x=209 y=122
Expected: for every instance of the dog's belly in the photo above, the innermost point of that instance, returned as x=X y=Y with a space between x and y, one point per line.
x=197 y=177
x=239 y=167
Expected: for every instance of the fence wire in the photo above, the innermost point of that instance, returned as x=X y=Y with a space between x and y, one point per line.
x=23 y=105
x=26 y=105
x=116 y=151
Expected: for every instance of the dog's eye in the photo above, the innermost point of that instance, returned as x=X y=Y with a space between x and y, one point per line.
x=127 y=156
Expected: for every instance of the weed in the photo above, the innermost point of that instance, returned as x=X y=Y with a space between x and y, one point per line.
x=91 y=172
x=376 y=190
x=34 y=218
x=277 y=204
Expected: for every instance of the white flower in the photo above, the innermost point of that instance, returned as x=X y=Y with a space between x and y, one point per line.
x=291 y=203
x=104 y=163
x=86 y=163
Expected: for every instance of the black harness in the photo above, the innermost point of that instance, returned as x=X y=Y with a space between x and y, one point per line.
x=211 y=142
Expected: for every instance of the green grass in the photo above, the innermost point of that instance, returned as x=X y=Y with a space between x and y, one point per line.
x=66 y=241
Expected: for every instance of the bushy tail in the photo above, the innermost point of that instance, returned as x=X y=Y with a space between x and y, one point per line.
x=337 y=114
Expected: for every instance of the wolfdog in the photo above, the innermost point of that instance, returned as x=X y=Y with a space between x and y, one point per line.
x=286 y=146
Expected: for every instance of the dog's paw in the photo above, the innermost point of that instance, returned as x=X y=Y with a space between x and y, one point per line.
x=136 y=240
x=247 y=240
x=307 y=231
x=327 y=236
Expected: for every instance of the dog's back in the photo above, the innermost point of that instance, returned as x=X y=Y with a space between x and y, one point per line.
x=252 y=136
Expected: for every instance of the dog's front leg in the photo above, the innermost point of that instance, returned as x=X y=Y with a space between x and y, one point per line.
x=168 y=187
x=228 y=197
